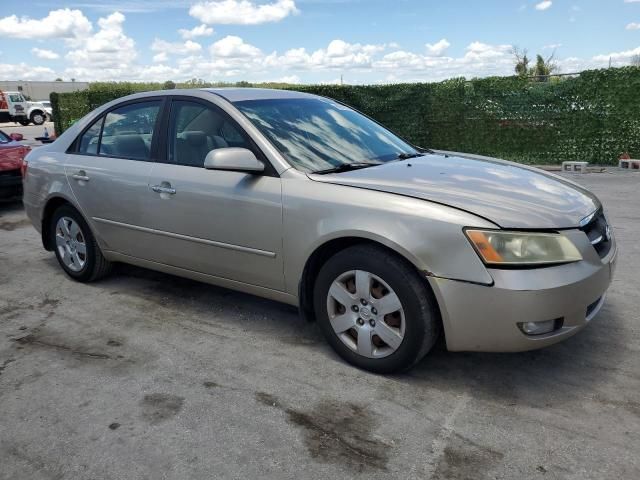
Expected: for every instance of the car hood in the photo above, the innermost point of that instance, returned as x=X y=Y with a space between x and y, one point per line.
x=508 y=194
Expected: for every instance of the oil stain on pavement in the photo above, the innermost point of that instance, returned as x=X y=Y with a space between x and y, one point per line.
x=337 y=433
x=159 y=407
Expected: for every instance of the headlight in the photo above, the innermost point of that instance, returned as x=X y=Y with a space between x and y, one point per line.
x=501 y=248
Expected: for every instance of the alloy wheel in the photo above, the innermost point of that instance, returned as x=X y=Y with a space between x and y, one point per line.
x=71 y=244
x=366 y=314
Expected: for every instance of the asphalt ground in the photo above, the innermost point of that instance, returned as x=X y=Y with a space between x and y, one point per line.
x=146 y=375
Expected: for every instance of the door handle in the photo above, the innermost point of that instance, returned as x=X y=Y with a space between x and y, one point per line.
x=80 y=176
x=163 y=189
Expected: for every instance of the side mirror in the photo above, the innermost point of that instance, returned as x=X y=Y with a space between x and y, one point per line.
x=233 y=159
x=18 y=137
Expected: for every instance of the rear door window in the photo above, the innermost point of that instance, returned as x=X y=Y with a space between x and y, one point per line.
x=128 y=131
x=89 y=140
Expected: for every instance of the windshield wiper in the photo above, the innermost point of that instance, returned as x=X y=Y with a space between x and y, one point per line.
x=347 y=167
x=406 y=156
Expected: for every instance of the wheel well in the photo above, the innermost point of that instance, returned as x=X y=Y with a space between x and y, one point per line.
x=49 y=209
x=320 y=256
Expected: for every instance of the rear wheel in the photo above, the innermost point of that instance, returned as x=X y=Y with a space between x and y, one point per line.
x=375 y=310
x=75 y=246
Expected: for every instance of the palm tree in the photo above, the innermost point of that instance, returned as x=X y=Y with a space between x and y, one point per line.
x=542 y=68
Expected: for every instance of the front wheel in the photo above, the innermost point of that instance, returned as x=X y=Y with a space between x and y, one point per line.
x=375 y=310
x=75 y=246
x=38 y=118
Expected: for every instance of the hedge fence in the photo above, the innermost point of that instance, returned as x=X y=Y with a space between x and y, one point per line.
x=592 y=117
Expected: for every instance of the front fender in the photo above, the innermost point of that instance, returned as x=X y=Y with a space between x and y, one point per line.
x=428 y=235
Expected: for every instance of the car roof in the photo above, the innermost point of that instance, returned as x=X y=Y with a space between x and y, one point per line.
x=241 y=94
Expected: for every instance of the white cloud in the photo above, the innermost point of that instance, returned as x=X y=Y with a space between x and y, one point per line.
x=23 y=71
x=618 y=58
x=160 y=57
x=293 y=79
x=633 y=26
x=544 y=5
x=552 y=46
x=44 y=54
x=63 y=23
x=438 y=48
x=178 y=48
x=199 y=31
x=108 y=54
x=233 y=47
x=338 y=55
x=242 y=12
x=480 y=59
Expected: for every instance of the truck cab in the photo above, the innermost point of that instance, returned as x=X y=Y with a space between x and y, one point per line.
x=13 y=107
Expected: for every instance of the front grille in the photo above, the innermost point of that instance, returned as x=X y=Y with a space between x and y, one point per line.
x=599 y=233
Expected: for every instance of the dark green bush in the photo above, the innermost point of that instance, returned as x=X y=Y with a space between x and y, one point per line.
x=592 y=117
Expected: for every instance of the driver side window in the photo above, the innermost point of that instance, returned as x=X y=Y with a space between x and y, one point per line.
x=195 y=129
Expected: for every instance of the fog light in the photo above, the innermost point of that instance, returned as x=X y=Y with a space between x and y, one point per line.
x=540 y=328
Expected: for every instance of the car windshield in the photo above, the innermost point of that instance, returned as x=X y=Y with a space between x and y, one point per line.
x=316 y=134
x=4 y=138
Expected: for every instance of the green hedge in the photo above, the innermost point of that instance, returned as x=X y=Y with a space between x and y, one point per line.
x=592 y=117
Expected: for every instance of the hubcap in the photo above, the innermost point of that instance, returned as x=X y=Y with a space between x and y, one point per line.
x=71 y=244
x=366 y=314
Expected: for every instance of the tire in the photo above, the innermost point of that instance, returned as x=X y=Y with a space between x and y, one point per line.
x=88 y=264
x=38 y=118
x=415 y=326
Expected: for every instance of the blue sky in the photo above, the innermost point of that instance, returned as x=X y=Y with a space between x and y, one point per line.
x=364 y=41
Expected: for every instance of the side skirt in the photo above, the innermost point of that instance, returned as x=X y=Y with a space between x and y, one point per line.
x=203 y=277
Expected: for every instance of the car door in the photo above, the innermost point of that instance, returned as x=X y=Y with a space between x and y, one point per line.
x=222 y=223
x=108 y=169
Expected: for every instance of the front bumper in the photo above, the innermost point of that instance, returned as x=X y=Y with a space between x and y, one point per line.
x=485 y=318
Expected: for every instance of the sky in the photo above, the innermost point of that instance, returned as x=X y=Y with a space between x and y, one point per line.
x=307 y=41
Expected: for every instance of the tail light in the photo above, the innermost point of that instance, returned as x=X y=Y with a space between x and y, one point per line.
x=25 y=164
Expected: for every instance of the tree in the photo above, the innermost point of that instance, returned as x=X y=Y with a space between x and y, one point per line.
x=169 y=85
x=542 y=68
x=522 y=61
x=196 y=82
x=58 y=79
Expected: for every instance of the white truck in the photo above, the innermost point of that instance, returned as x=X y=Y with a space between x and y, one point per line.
x=15 y=108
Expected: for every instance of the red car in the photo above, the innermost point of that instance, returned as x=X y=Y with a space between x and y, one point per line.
x=12 y=155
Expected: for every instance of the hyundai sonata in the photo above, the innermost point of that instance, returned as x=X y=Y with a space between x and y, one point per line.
x=301 y=199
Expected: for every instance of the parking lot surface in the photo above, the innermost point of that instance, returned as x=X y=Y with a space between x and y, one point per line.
x=30 y=132
x=145 y=375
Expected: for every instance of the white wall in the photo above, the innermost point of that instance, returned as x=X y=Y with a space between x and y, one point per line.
x=42 y=90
